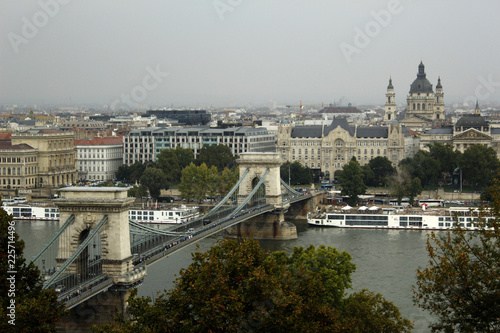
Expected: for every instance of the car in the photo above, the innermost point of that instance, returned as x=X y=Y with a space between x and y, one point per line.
x=60 y=288
x=191 y=230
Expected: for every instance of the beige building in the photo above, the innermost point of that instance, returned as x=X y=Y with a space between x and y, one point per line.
x=469 y=130
x=56 y=163
x=328 y=148
x=19 y=167
x=424 y=107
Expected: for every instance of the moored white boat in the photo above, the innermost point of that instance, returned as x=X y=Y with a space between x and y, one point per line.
x=441 y=219
x=41 y=211
x=175 y=215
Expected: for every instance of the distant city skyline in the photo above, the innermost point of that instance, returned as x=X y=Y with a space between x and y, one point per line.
x=204 y=53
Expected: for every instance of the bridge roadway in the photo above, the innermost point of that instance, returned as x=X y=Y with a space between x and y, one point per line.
x=102 y=283
x=160 y=251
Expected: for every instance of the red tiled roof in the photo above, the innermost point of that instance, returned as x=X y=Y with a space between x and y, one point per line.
x=8 y=145
x=97 y=141
x=5 y=136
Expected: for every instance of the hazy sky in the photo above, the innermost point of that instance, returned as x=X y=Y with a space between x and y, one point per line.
x=235 y=52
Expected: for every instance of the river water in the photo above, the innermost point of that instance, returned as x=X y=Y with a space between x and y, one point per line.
x=385 y=260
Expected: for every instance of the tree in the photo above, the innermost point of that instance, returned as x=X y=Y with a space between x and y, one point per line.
x=370 y=312
x=219 y=156
x=227 y=180
x=236 y=286
x=155 y=180
x=36 y=309
x=168 y=162
x=188 y=178
x=137 y=192
x=351 y=180
x=402 y=185
x=447 y=157
x=185 y=156
x=461 y=285
x=299 y=175
x=423 y=166
x=382 y=169
x=479 y=165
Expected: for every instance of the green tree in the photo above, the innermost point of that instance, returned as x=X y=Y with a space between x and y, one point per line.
x=154 y=180
x=382 y=170
x=366 y=311
x=368 y=175
x=185 y=156
x=168 y=162
x=188 y=179
x=351 y=181
x=219 y=156
x=461 y=285
x=36 y=309
x=236 y=286
x=447 y=157
x=299 y=175
x=227 y=180
x=137 y=192
x=402 y=185
x=479 y=165
x=423 y=166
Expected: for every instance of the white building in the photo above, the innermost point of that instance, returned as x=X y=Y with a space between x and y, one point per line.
x=99 y=158
x=145 y=144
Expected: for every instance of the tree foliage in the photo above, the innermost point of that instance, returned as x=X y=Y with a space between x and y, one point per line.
x=461 y=285
x=198 y=182
x=137 y=192
x=36 y=309
x=168 y=162
x=154 y=180
x=238 y=287
x=479 y=165
x=402 y=185
x=296 y=173
x=382 y=169
x=447 y=157
x=219 y=156
x=351 y=180
x=422 y=166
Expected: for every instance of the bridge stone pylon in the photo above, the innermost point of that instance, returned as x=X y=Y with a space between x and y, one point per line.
x=269 y=225
x=89 y=205
x=258 y=163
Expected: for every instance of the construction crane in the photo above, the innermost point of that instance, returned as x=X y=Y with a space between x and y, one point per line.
x=301 y=106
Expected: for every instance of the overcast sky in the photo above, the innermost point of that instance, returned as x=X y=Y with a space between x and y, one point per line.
x=235 y=52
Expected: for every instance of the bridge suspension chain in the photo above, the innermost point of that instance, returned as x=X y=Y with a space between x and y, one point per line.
x=53 y=239
x=145 y=230
x=224 y=200
x=90 y=237
x=250 y=196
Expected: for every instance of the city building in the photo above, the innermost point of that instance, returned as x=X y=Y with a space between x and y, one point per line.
x=99 y=158
x=424 y=107
x=55 y=157
x=19 y=168
x=145 y=144
x=328 y=148
x=186 y=117
x=470 y=129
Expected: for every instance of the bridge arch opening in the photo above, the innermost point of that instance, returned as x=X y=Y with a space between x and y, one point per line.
x=89 y=264
x=259 y=197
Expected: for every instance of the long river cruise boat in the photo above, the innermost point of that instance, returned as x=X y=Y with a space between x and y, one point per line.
x=438 y=219
x=49 y=212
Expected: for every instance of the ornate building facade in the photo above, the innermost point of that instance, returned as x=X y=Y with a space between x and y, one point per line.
x=328 y=148
x=468 y=130
x=424 y=107
x=55 y=155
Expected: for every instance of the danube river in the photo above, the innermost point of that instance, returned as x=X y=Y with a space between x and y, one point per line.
x=385 y=260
